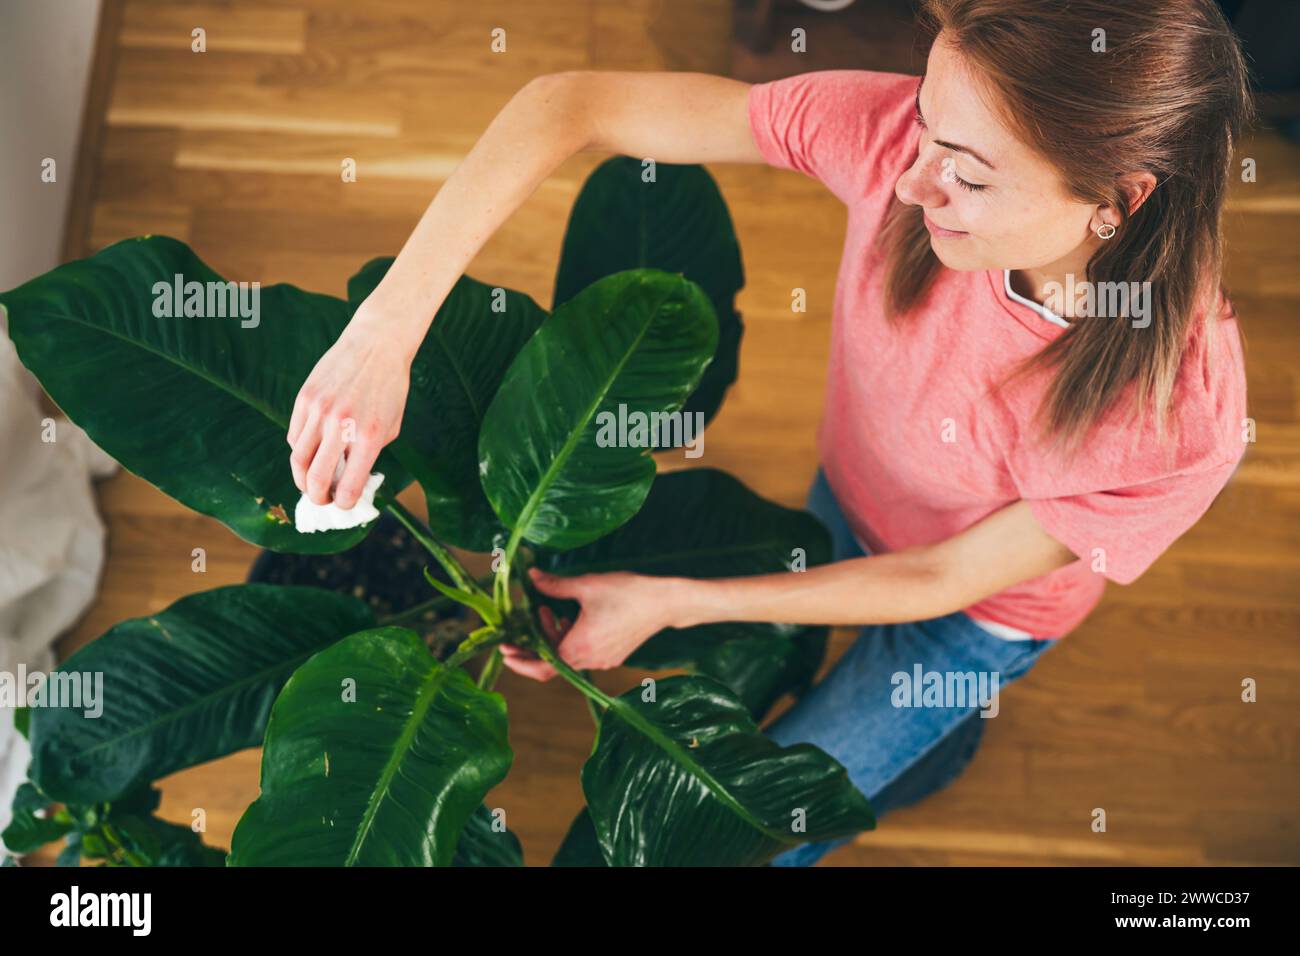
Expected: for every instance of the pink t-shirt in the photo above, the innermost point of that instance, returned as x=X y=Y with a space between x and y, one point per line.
x=916 y=441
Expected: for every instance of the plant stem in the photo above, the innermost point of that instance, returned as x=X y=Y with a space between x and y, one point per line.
x=541 y=641
x=591 y=707
x=133 y=859
x=476 y=599
x=487 y=678
x=417 y=610
x=543 y=647
x=506 y=573
x=484 y=637
x=501 y=588
x=432 y=604
x=444 y=557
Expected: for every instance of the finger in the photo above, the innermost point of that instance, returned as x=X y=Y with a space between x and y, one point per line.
x=303 y=451
x=555 y=586
x=320 y=475
x=575 y=649
x=301 y=412
x=549 y=627
x=536 y=669
x=360 y=456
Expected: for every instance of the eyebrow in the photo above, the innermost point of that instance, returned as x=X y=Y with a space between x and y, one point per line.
x=956 y=148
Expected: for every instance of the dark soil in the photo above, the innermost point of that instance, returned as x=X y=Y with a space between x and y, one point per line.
x=386 y=570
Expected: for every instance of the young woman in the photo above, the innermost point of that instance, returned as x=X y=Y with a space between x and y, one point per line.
x=1035 y=384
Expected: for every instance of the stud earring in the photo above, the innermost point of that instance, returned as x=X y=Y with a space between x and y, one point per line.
x=1105 y=231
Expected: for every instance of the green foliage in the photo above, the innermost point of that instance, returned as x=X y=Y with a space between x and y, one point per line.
x=375 y=752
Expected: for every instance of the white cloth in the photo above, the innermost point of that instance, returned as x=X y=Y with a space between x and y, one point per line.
x=51 y=541
x=310 y=517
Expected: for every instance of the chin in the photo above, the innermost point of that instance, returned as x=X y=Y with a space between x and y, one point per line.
x=954 y=258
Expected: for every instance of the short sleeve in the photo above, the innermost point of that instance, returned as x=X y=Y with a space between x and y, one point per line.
x=1130 y=496
x=853 y=130
x=1121 y=532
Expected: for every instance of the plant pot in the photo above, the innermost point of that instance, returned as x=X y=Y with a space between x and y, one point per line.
x=386 y=571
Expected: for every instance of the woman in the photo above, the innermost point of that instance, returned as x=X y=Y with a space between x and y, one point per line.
x=1035 y=381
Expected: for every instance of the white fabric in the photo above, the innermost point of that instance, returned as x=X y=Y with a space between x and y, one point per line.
x=51 y=541
x=1038 y=307
x=311 y=517
x=1004 y=631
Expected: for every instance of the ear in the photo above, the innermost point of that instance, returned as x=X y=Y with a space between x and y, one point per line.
x=1137 y=187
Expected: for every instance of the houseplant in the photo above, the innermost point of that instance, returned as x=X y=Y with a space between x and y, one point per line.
x=376 y=751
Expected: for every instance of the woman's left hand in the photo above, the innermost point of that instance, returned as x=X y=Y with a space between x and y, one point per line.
x=620 y=612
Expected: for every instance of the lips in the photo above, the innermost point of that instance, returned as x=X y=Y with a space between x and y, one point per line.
x=939 y=230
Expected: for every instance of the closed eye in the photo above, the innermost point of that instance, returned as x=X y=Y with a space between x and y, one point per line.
x=969 y=187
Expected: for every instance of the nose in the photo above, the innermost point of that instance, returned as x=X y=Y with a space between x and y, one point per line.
x=920 y=185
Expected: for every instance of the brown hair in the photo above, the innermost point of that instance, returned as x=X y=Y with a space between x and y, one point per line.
x=1171 y=96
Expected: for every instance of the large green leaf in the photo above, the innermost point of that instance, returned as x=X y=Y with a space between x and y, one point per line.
x=128 y=825
x=470 y=344
x=199 y=407
x=633 y=344
x=759 y=663
x=703 y=523
x=159 y=843
x=688 y=780
x=131 y=824
x=387 y=776
x=483 y=844
x=189 y=684
x=581 y=846
x=33 y=824
x=678 y=223
x=70 y=855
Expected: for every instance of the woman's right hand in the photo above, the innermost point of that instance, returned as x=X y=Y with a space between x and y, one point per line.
x=351 y=406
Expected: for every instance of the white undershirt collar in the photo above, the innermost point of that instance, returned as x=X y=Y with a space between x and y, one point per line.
x=1046 y=313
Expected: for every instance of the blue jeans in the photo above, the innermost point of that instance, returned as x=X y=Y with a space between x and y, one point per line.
x=895 y=754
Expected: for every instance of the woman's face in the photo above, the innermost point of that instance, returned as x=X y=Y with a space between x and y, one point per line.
x=990 y=202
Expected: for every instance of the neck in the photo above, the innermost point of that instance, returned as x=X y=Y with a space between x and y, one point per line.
x=1039 y=282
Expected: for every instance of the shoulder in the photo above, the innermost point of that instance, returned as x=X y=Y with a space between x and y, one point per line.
x=1131 y=491
x=1208 y=404
x=1200 y=439
x=862 y=87
x=843 y=127
x=868 y=85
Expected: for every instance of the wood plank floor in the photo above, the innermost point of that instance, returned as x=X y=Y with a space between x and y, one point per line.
x=238 y=150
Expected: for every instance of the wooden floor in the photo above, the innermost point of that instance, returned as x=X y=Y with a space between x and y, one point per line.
x=238 y=152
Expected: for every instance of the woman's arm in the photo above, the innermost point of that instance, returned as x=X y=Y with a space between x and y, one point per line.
x=621 y=611
x=916 y=584
x=668 y=117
